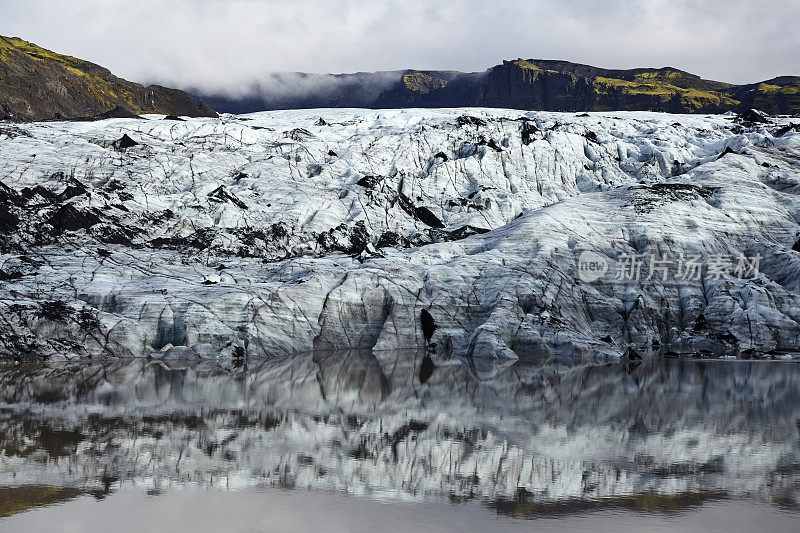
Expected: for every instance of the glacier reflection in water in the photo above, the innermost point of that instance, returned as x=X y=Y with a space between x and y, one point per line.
x=532 y=440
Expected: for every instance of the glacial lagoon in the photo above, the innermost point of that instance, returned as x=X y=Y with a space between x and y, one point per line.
x=666 y=444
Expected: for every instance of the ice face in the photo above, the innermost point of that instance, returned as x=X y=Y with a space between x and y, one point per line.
x=277 y=233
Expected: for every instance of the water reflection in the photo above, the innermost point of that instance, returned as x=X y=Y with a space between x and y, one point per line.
x=15 y=500
x=534 y=440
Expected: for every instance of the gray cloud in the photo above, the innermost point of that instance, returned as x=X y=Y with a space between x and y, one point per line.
x=227 y=45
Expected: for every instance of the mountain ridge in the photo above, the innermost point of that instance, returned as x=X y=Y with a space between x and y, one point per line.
x=38 y=84
x=542 y=84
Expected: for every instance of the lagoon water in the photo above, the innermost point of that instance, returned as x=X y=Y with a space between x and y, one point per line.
x=356 y=441
x=270 y=510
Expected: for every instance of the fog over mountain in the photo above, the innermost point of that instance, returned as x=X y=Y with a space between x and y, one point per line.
x=228 y=46
x=532 y=84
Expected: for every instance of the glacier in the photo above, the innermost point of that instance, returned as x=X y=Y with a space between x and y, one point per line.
x=452 y=231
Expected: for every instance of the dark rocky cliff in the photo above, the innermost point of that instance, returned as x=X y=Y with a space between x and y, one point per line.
x=37 y=84
x=525 y=84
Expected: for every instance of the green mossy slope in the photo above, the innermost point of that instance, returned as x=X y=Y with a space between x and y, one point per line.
x=37 y=84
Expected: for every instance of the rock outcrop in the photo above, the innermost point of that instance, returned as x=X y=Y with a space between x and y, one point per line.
x=531 y=84
x=37 y=84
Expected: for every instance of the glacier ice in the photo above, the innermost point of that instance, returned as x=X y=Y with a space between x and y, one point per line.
x=279 y=233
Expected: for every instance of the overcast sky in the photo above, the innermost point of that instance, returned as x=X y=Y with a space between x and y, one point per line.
x=224 y=44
